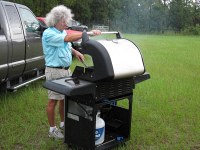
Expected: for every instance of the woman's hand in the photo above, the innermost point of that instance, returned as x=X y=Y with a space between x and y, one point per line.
x=78 y=55
x=94 y=32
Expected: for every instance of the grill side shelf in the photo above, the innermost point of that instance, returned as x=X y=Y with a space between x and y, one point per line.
x=68 y=87
x=141 y=78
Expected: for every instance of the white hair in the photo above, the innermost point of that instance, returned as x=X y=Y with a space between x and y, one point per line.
x=56 y=14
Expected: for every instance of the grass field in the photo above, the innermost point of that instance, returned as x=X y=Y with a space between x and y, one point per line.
x=166 y=108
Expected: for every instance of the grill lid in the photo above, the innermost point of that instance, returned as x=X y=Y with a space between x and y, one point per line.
x=112 y=59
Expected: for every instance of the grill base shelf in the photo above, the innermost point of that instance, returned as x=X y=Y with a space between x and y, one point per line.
x=111 y=140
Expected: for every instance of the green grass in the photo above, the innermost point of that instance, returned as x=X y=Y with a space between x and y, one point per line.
x=166 y=108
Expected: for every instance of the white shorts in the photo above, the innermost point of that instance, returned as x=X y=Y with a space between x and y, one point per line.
x=55 y=73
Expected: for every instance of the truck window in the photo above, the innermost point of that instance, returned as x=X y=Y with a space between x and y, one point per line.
x=30 y=22
x=14 y=20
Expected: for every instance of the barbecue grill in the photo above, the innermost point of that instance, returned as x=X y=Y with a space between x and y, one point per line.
x=117 y=67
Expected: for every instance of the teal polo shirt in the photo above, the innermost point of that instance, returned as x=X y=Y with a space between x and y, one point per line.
x=56 y=51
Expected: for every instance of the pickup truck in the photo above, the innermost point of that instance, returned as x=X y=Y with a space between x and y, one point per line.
x=22 y=60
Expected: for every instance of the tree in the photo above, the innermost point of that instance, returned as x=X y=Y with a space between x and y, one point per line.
x=131 y=16
x=181 y=14
x=196 y=19
x=157 y=17
x=81 y=10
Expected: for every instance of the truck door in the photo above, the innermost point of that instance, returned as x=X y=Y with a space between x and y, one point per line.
x=34 y=52
x=16 y=49
x=3 y=49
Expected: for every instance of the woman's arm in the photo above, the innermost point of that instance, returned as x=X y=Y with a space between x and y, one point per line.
x=76 y=36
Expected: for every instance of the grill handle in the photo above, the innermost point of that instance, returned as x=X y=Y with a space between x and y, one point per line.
x=118 y=34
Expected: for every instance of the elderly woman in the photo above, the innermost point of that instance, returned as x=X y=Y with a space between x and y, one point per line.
x=58 y=58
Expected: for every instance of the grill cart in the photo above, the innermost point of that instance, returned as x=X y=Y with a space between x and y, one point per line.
x=117 y=68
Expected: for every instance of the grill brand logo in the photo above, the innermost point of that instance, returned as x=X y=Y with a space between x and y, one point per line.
x=99 y=133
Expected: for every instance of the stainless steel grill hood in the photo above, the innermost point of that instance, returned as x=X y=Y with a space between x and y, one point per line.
x=125 y=57
x=112 y=59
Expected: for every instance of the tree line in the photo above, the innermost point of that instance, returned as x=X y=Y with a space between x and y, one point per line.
x=130 y=16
